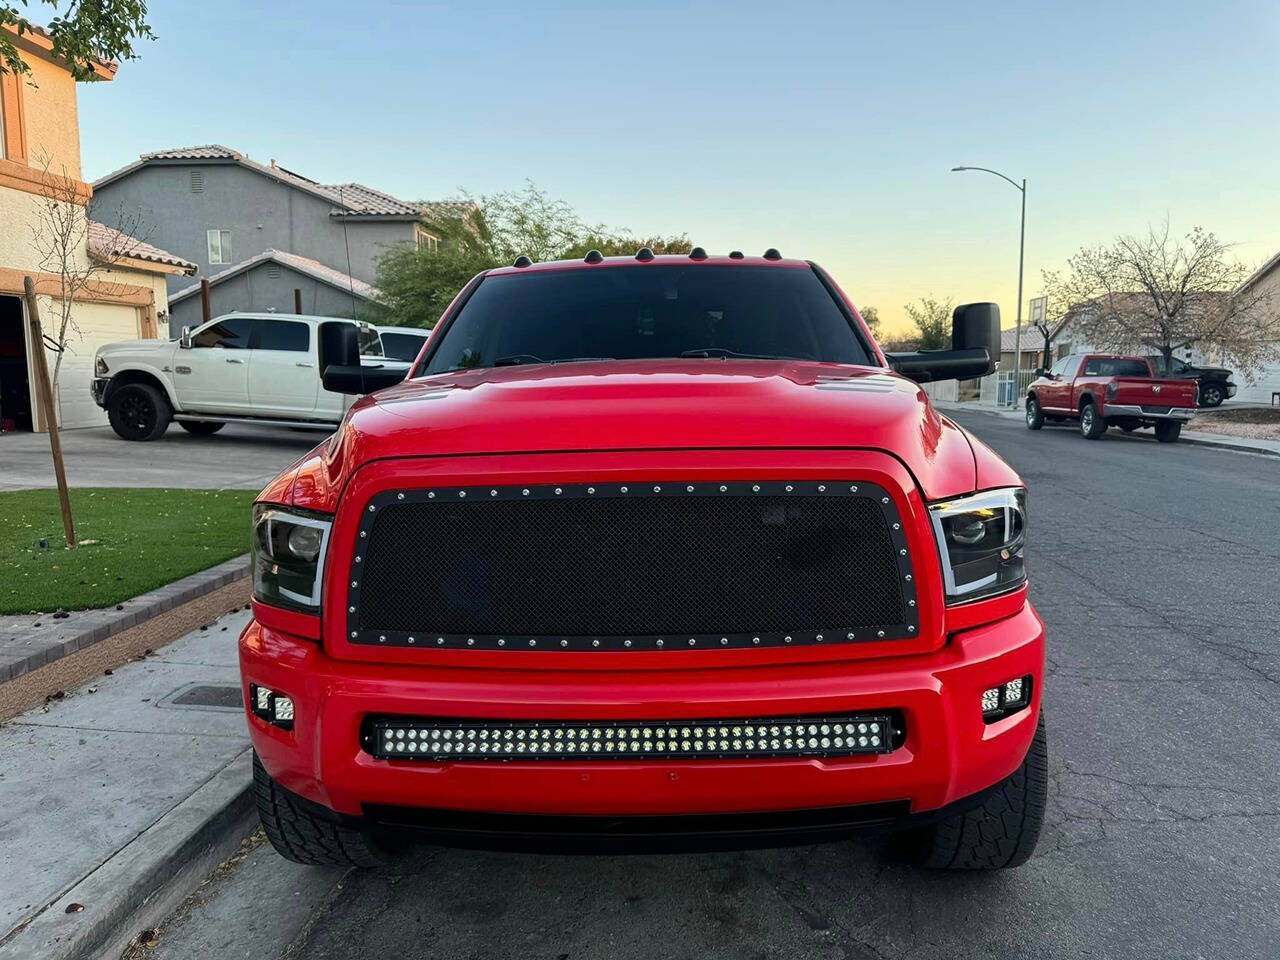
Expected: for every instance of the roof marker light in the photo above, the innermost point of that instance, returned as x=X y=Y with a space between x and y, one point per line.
x=735 y=254
x=697 y=253
x=523 y=261
x=593 y=256
x=644 y=254
x=772 y=254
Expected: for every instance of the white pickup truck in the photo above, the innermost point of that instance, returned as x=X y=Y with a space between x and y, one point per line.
x=246 y=367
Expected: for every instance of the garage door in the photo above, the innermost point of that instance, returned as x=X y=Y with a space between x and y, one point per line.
x=99 y=323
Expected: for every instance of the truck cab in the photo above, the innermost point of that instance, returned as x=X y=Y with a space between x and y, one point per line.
x=249 y=367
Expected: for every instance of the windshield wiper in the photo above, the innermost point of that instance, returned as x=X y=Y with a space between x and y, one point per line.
x=722 y=353
x=519 y=358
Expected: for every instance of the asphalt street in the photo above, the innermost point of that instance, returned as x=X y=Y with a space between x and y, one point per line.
x=236 y=457
x=1155 y=568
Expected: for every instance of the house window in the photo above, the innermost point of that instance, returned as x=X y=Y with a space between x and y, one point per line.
x=426 y=241
x=219 y=246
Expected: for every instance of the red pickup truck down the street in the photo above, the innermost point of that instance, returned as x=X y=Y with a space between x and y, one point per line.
x=1100 y=390
x=652 y=551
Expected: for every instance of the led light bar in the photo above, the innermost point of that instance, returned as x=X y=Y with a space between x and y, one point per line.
x=409 y=739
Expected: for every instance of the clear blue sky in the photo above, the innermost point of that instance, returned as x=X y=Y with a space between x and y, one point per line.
x=825 y=129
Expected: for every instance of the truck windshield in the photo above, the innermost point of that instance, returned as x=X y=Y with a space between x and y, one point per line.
x=648 y=312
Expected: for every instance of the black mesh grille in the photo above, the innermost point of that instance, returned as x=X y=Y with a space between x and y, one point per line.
x=587 y=565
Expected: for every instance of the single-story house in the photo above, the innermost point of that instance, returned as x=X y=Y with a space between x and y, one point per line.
x=267 y=281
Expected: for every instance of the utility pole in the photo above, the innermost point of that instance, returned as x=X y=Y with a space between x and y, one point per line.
x=1022 y=239
x=44 y=392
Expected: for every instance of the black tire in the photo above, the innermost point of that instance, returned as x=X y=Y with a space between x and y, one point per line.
x=306 y=832
x=1092 y=426
x=1035 y=416
x=1167 y=431
x=998 y=833
x=201 y=428
x=1212 y=394
x=139 y=411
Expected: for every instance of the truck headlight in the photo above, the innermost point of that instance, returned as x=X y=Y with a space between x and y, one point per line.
x=288 y=556
x=99 y=367
x=982 y=542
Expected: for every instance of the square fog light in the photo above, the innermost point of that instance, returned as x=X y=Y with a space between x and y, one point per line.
x=283 y=709
x=991 y=700
x=1006 y=699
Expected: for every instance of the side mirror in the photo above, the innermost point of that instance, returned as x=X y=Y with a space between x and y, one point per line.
x=185 y=340
x=1039 y=372
x=359 y=379
x=975 y=348
x=340 y=368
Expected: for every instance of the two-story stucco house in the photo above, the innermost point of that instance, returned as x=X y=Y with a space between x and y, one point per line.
x=125 y=299
x=259 y=232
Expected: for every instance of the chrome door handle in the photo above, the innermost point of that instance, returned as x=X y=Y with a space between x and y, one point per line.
x=234 y=360
x=304 y=363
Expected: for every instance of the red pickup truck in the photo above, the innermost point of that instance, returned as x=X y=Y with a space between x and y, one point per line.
x=648 y=551
x=1100 y=390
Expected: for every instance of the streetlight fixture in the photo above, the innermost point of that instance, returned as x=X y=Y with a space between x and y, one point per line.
x=1022 y=237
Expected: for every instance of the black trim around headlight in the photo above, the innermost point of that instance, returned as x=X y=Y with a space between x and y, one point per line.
x=288 y=554
x=982 y=543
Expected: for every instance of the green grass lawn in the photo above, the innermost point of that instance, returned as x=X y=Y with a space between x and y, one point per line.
x=132 y=541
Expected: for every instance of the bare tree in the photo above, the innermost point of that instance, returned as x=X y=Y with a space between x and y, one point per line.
x=932 y=318
x=1161 y=293
x=78 y=252
x=872 y=317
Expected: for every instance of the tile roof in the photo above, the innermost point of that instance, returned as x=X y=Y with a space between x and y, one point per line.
x=304 y=265
x=109 y=242
x=349 y=199
x=436 y=210
x=1032 y=339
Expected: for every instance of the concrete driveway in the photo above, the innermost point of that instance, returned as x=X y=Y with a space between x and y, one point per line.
x=236 y=457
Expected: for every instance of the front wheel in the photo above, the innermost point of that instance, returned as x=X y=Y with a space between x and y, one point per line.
x=139 y=411
x=1092 y=426
x=304 y=832
x=1211 y=395
x=999 y=832
x=1035 y=416
x=1168 y=431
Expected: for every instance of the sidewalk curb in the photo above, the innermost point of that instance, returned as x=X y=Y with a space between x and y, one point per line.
x=1235 y=445
x=98 y=625
x=147 y=879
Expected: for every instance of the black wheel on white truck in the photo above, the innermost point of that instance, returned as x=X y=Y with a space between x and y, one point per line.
x=139 y=411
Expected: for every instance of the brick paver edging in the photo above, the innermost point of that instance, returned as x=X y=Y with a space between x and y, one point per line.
x=25 y=646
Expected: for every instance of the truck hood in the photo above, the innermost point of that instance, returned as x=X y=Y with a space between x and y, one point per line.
x=634 y=405
x=118 y=347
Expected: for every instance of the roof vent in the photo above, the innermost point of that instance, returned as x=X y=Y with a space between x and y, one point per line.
x=772 y=254
x=197 y=181
x=644 y=254
x=273 y=271
x=523 y=261
x=735 y=254
x=697 y=253
x=593 y=256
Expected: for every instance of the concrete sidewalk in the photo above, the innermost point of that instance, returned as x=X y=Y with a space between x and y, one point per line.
x=1269 y=448
x=105 y=793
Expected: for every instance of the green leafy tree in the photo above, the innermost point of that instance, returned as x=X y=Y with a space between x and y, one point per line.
x=872 y=317
x=415 y=286
x=932 y=318
x=82 y=33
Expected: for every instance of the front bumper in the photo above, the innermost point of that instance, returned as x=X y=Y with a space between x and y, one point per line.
x=1181 y=414
x=98 y=390
x=949 y=752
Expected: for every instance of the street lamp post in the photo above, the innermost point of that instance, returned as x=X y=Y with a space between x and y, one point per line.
x=1022 y=240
